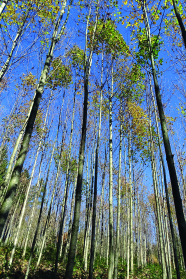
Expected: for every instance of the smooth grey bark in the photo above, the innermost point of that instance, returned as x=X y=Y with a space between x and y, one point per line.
x=111 y=228
x=118 y=207
x=64 y=204
x=15 y=150
x=53 y=192
x=66 y=247
x=130 y=196
x=75 y=226
x=138 y=232
x=42 y=203
x=102 y=205
x=32 y=215
x=156 y=194
x=168 y=151
x=29 y=127
x=14 y=45
x=8 y=227
x=92 y=250
x=89 y=207
x=166 y=190
x=128 y=230
x=88 y=195
x=3 y=5
x=29 y=186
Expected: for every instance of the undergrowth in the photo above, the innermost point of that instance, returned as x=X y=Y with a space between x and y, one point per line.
x=46 y=268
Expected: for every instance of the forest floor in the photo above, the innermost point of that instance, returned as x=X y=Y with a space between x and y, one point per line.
x=45 y=270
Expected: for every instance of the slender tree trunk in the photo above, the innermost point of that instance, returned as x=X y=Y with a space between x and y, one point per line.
x=102 y=206
x=28 y=189
x=65 y=248
x=43 y=198
x=111 y=229
x=118 y=206
x=138 y=230
x=130 y=200
x=89 y=210
x=166 y=189
x=88 y=196
x=11 y=222
x=29 y=127
x=92 y=251
x=75 y=226
x=157 y=207
x=178 y=16
x=32 y=215
x=64 y=204
x=15 y=42
x=3 y=5
x=168 y=151
x=107 y=240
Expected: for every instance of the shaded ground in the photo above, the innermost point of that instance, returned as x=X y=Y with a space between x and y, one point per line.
x=45 y=271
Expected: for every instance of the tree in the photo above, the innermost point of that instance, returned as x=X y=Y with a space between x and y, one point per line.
x=169 y=156
x=31 y=119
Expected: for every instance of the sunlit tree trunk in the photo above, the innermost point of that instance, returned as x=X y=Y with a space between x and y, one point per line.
x=102 y=206
x=168 y=151
x=3 y=5
x=10 y=225
x=111 y=229
x=14 y=44
x=157 y=207
x=88 y=197
x=29 y=186
x=138 y=230
x=92 y=250
x=29 y=127
x=130 y=198
x=118 y=207
x=64 y=204
x=166 y=189
x=66 y=247
x=43 y=197
x=75 y=226
x=89 y=210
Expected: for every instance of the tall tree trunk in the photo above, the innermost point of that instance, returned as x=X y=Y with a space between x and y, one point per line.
x=44 y=193
x=166 y=188
x=111 y=229
x=29 y=186
x=64 y=204
x=168 y=151
x=130 y=198
x=92 y=251
x=102 y=206
x=65 y=248
x=14 y=44
x=156 y=194
x=88 y=197
x=75 y=226
x=29 y=127
x=89 y=209
x=118 y=205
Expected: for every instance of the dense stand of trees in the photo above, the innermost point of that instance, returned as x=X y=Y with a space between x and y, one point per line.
x=92 y=161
